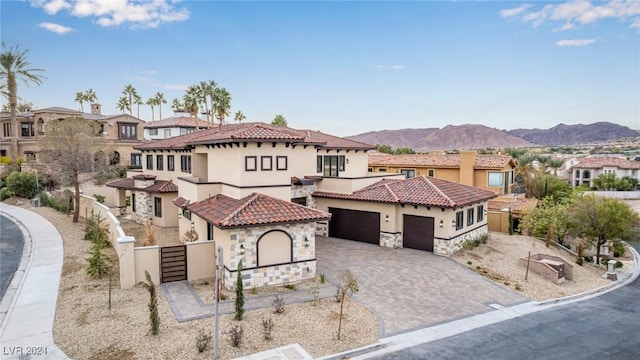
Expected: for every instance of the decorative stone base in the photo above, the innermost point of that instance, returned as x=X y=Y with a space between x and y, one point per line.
x=272 y=275
x=322 y=229
x=392 y=240
x=449 y=247
x=305 y=191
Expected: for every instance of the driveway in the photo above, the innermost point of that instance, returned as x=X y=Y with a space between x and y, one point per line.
x=410 y=289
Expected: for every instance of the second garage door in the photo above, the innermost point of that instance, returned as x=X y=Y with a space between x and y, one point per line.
x=417 y=232
x=355 y=225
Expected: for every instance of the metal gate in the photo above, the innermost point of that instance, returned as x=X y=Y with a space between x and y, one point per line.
x=173 y=263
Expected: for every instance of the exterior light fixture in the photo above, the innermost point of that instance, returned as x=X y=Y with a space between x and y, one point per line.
x=453 y=224
x=441 y=223
x=179 y=214
x=386 y=218
x=241 y=249
x=347 y=160
x=193 y=225
x=306 y=242
x=485 y=211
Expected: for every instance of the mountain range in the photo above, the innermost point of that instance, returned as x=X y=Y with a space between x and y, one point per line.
x=473 y=136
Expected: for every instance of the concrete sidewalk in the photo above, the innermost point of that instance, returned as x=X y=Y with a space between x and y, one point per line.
x=29 y=305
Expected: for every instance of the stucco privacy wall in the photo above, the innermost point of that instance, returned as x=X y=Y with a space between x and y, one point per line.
x=201 y=262
x=147 y=258
x=302 y=266
x=123 y=245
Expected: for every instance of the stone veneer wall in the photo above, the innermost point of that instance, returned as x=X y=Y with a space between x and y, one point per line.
x=392 y=240
x=298 y=191
x=322 y=228
x=448 y=247
x=144 y=207
x=302 y=268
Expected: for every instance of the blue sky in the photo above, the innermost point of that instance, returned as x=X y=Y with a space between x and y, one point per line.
x=345 y=67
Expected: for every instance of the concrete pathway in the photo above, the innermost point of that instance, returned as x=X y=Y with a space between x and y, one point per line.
x=187 y=305
x=410 y=289
x=29 y=304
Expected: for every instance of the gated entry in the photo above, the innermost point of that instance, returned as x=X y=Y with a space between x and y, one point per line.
x=173 y=263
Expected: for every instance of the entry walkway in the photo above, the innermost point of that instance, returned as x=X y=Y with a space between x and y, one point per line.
x=187 y=305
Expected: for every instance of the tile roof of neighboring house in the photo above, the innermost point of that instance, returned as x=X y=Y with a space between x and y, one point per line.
x=419 y=190
x=176 y=121
x=255 y=209
x=482 y=161
x=517 y=205
x=181 y=202
x=159 y=186
x=254 y=132
x=601 y=162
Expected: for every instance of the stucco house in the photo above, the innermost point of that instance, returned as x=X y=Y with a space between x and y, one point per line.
x=173 y=126
x=582 y=170
x=121 y=131
x=249 y=188
x=491 y=172
x=421 y=212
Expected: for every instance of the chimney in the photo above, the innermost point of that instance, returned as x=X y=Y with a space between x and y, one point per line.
x=96 y=109
x=467 y=161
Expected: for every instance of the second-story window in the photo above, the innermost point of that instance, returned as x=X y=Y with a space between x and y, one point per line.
x=27 y=129
x=136 y=160
x=159 y=162
x=153 y=131
x=333 y=164
x=185 y=163
x=170 y=163
x=408 y=173
x=127 y=131
x=149 y=162
x=6 y=130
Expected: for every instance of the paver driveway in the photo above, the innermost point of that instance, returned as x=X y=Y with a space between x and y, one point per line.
x=409 y=288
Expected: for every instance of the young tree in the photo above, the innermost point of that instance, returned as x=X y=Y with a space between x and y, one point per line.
x=14 y=66
x=71 y=146
x=599 y=219
x=549 y=218
x=279 y=120
x=239 y=294
x=154 y=318
x=384 y=149
x=347 y=285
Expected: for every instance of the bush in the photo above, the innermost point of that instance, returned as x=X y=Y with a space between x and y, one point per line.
x=278 y=304
x=267 y=327
x=618 y=249
x=23 y=184
x=236 y=336
x=99 y=198
x=203 y=341
x=6 y=160
x=588 y=258
x=62 y=205
x=5 y=194
x=619 y=264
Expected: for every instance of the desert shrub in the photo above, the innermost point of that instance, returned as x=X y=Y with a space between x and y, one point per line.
x=100 y=264
x=267 y=329
x=5 y=194
x=322 y=278
x=154 y=318
x=314 y=290
x=236 y=336
x=100 y=198
x=619 y=264
x=278 y=304
x=150 y=234
x=190 y=236
x=6 y=160
x=289 y=286
x=588 y=258
x=103 y=175
x=619 y=249
x=63 y=205
x=203 y=341
x=23 y=184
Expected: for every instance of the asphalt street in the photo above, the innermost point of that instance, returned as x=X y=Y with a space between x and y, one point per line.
x=11 y=244
x=604 y=327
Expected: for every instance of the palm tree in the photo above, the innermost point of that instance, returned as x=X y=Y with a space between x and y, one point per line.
x=207 y=89
x=279 y=120
x=130 y=92
x=20 y=108
x=222 y=104
x=138 y=101
x=14 y=65
x=191 y=100
x=80 y=98
x=90 y=96
x=555 y=164
x=152 y=102
x=123 y=104
x=159 y=97
x=176 y=105
x=239 y=116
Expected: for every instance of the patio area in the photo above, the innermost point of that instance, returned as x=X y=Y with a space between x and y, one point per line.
x=164 y=236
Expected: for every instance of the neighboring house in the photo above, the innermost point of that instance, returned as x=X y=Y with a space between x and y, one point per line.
x=421 y=212
x=499 y=208
x=173 y=126
x=582 y=171
x=121 y=131
x=492 y=172
x=245 y=186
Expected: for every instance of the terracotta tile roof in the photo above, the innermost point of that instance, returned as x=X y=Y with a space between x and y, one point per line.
x=176 y=121
x=254 y=132
x=600 y=162
x=517 y=205
x=482 y=161
x=181 y=202
x=159 y=186
x=420 y=190
x=256 y=209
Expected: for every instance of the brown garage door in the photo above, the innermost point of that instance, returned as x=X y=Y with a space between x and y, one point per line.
x=355 y=225
x=417 y=232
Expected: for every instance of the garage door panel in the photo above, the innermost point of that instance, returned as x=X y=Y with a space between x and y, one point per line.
x=355 y=225
x=417 y=232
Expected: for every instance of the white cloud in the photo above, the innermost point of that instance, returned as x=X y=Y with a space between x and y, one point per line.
x=575 y=42
x=580 y=12
x=180 y=87
x=135 y=14
x=398 y=67
x=392 y=67
x=380 y=66
x=514 y=11
x=56 y=28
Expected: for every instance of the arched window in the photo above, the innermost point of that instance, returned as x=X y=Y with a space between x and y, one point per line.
x=577 y=173
x=275 y=247
x=586 y=174
x=40 y=127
